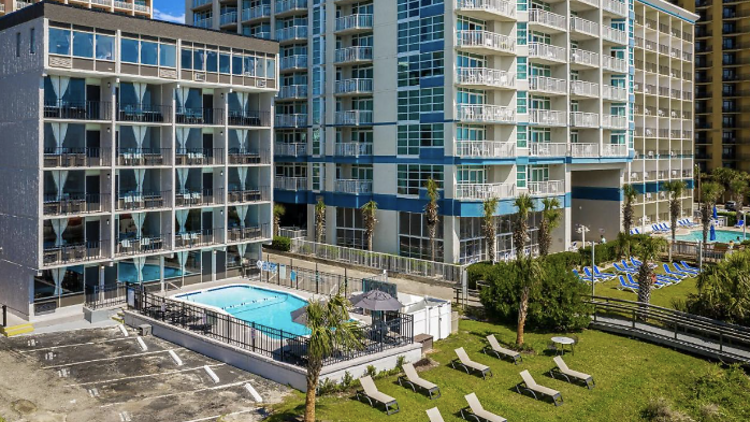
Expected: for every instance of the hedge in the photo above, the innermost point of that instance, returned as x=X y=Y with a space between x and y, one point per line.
x=280 y=243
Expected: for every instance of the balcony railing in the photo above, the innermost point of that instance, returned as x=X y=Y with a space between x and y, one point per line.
x=199 y=3
x=353 y=149
x=614 y=93
x=250 y=118
x=584 y=88
x=354 y=86
x=485 y=76
x=238 y=234
x=290 y=183
x=199 y=116
x=197 y=198
x=353 y=54
x=194 y=239
x=354 y=117
x=355 y=186
x=610 y=121
x=199 y=156
x=548 y=19
x=129 y=244
x=614 y=35
x=79 y=252
x=614 y=64
x=298 y=61
x=584 y=150
x=547 y=85
x=256 y=12
x=484 y=113
x=548 y=149
x=75 y=203
x=583 y=119
x=292 y=92
x=284 y=6
x=485 y=149
x=291 y=120
x=354 y=22
x=546 y=188
x=494 y=7
x=614 y=150
x=291 y=33
x=241 y=156
x=585 y=57
x=263 y=193
x=547 y=117
x=547 y=52
x=290 y=150
x=134 y=201
x=143 y=156
x=150 y=113
x=228 y=18
x=88 y=110
x=484 y=191
x=584 y=26
x=615 y=7
x=76 y=157
x=486 y=40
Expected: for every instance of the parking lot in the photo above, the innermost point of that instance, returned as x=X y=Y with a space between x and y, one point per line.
x=105 y=375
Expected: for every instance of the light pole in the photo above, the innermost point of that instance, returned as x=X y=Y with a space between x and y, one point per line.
x=582 y=230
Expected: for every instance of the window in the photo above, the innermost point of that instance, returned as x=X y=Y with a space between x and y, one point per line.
x=412 y=68
x=149 y=53
x=522 y=137
x=521 y=102
x=59 y=41
x=410 y=8
x=412 y=177
x=350 y=228
x=83 y=44
x=237 y=65
x=167 y=56
x=522 y=34
x=224 y=66
x=212 y=61
x=521 y=176
x=318 y=170
x=198 y=60
x=413 y=137
x=129 y=50
x=412 y=103
x=521 y=68
x=32 y=41
x=186 y=59
x=414 y=236
x=18 y=44
x=522 y=5
x=105 y=47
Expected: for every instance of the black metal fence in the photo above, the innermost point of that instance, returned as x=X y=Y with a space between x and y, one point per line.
x=276 y=344
x=105 y=297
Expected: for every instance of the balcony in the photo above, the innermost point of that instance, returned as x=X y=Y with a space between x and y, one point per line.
x=484 y=77
x=547 y=117
x=195 y=239
x=355 y=186
x=88 y=110
x=199 y=156
x=614 y=65
x=256 y=12
x=353 y=149
x=484 y=191
x=296 y=62
x=583 y=58
x=249 y=118
x=551 y=22
x=485 y=42
x=610 y=121
x=548 y=149
x=546 y=188
x=239 y=234
x=245 y=157
x=579 y=26
x=199 y=3
x=239 y=196
x=485 y=149
x=290 y=183
x=289 y=7
x=198 y=198
x=352 y=55
x=547 y=53
x=353 y=24
x=615 y=7
x=484 y=113
x=548 y=85
x=579 y=88
x=142 y=157
x=581 y=119
x=613 y=93
x=290 y=149
x=199 y=116
x=229 y=18
x=614 y=150
x=292 y=92
x=291 y=120
x=590 y=3
x=130 y=245
x=353 y=86
x=292 y=33
x=80 y=252
x=134 y=201
x=75 y=157
x=614 y=35
x=75 y=204
x=487 y=9
x=584 y=150
x=354 y=118
x=146 y=113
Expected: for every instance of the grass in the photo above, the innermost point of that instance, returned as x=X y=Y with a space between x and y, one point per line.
x=629 y=374
x=663 y=297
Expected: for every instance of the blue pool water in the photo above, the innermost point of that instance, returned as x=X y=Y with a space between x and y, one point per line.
x=267 y=307
x=126 y=272
x=722 y=236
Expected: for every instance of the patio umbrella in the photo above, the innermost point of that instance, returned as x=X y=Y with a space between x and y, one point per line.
x=299 y=316
x=376 y=300
x=712 y=234
x=716 y=214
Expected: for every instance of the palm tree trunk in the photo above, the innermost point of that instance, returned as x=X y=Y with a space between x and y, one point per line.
x=369 y=241
x=432 y=230
x=310 y=395
x=522 y=311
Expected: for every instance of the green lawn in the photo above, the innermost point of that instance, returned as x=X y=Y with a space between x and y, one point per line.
x=659 y=297
x=628 y=375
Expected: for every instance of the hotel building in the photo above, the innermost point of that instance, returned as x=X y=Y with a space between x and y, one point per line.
x=139 y=8
x=133 y=150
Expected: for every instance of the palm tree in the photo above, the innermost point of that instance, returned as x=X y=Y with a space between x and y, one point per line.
x=550 y=221
x=529 y=269
x=490 y=229
x=278 y=212
x=648 y=250
x=431 y=214
x=330 y=330
x=368 y=215
x=629 y=192
x=674 y=188
x=320 y=219
x=711 y=193
x=524 y=205
x=738 y=187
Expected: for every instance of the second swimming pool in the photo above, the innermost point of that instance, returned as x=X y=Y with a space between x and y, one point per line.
x=722 y=236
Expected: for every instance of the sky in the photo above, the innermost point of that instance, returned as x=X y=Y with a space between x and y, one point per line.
x=170 y=10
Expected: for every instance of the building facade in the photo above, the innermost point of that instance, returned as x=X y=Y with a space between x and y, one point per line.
x=140 y=8
x=490 y=98
x=133 y=151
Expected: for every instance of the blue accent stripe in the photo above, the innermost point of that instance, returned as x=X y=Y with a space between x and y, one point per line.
x=667 y=11
x=596 y=193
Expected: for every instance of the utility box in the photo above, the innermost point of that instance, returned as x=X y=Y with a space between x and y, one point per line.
x=144 y=330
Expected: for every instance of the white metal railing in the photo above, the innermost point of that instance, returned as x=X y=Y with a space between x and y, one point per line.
x=141 y=8
x=548 y=149
x=614 y=93
x=486 y=39
x=594 y=3
x=118 y=4
x=291 y=120
x=485 y=76
x=291 y=33
x=585 y=88
x=497 y=7
x=545 y=188
x=548 y=117
x=101 y=2
x=611 y=121
x=586 y=57
x=584 y=119
x=614 y=150
x=292 y=91
x=547 y=84
x=547 y=51
x=546 y=18
x=614 y=35
x=283 y=6
x=354 y=86
x=353 y=149
x=290 y=183
x=292 y=232
x=353 y=54
x=485 y=113
x=484 y=191
x=356 y=21
x=354 y=117
x=290 y=150
x=584 y=150
x=584 y=26
x=353 y=186
x=261 y=11
x=616 y=7
x=614 y=64
x=485 y=149
x=292 y=62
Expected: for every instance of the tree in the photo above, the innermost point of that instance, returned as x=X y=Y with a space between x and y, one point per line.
x=278 y=212
x=550 y=221
x=320 y=219
x=724 y=290
x=330 y=330
x=431 y=214
x=738 y=188
x=674 y=188
x=723 y=175
x=489 y=227
x=711 y=193
x=648 y=249
x=629 y=192
x=368 y=215
x=529 y=269
x=524 y=206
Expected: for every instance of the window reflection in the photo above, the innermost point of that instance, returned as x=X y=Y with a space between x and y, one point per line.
x=129 y=50
x=59 y=41
x=105 y=47
x=149 y=53
x=83 y=44
x=167 y=55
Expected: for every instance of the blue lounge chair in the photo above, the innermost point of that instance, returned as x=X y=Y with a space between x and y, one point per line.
x=587 y=271
x=668 y=279
x=655 y=228
x=580 y=277
x=621 y=269
x=685 y=264
x=601 y=274
x=669 y=271
x=681 y=268
x=681 y=223
x=632 y=231
x=658 y=284
x=665 y=227
x=739 y=224
x=628 y=266
x=637 y=231
x=624 y=285
x=636 y=263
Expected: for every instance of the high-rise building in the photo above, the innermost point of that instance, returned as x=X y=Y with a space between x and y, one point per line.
x=133 y=151
x=140 y=8
x=490 y=98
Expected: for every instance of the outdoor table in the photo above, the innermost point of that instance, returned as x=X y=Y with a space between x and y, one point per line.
x=560 y=343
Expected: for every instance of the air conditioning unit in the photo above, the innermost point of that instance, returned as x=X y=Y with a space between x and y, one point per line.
x=261 y=83
x=199 y=77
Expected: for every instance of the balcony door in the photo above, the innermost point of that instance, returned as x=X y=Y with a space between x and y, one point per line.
x=93 y=234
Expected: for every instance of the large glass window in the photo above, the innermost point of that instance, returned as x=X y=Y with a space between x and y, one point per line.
x=199 y=57
x=413 y=137
x=149 y=53
x=129 y=50
x=167 y=55
x=224 y=66
x=186 y=59
x=414 y=237
x=83 y=44
x=59 y=41
x=412 y=177
x=212 y=61
x=105 y=47
x=237 y=65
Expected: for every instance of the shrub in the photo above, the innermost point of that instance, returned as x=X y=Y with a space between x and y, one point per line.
x=346 y=381
x=280 y=243
x=400 y=362
x=659 y=410
x=327 y=386
x=371 y=371
x=721 y=292
x=730 y=215
x=569 y=259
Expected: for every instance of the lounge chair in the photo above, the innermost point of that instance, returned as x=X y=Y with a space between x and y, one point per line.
x=578 y=274
x=685 y=264
x=500 y=351
x=529 y=385
x=628 y=266
x=658 y=284
x=621 y=269
x=669 y=271
x=601 y=274
x=637 y=231
x=636 y=263
x=468 y=364
x=684 y=269
x=665 y=228
x=589 y=276
x=412 y=378
x=476 y=411
x=434 y=415
x=739 y=224
x=371 y=393
x=567 y=373
x=624 y=285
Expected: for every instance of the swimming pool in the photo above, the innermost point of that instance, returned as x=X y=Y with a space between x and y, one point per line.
x=253 y=304
x=722 y=236
x=126 y=272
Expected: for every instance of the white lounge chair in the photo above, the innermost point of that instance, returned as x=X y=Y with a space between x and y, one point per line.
x=475 y=411
x=371 y=393
x=469 y=365
x=500 y=351
x=567 y=373
x=412 y=378
x=529 y=385
x=434 y=415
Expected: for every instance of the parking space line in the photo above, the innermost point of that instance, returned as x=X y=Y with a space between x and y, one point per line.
x=211 y=418
x=184 y=393
x=62 y=346
x=132 y=377
x=111 y=358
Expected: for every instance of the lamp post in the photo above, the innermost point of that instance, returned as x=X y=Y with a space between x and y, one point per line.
x=582 y=230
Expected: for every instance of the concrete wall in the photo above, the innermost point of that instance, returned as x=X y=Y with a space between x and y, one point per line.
x=596 y=213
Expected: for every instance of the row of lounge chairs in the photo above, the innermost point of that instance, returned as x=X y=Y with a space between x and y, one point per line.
x=672 y=277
